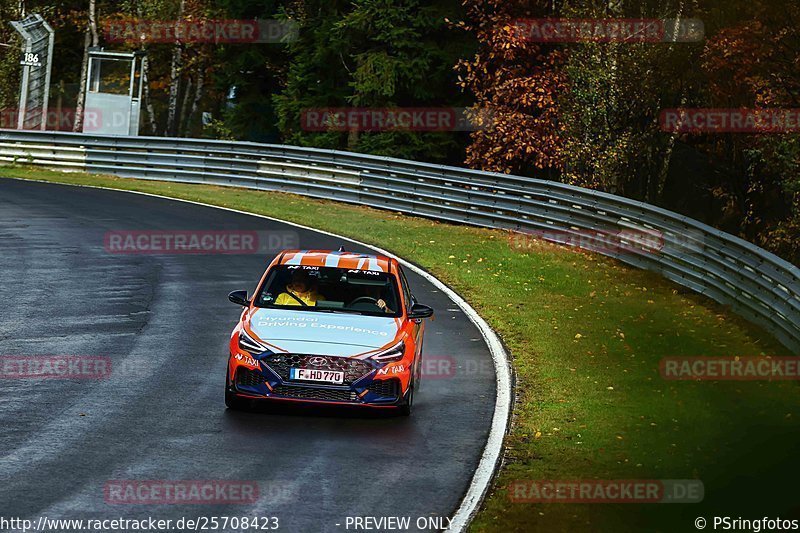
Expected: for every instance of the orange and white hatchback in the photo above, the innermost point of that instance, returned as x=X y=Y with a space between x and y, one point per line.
x=330 y=327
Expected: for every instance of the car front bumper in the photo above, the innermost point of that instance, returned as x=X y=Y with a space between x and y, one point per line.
x=365 y=383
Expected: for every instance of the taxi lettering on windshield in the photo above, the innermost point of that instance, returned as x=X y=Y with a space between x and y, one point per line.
x=364 y=272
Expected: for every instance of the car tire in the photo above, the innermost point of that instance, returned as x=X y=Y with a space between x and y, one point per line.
x=232 y=401
x=408 y=404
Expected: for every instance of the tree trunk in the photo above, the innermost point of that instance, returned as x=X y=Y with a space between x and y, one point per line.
x=661 y=179
x=93 y=22
x=175 y=80
x=87 y=40
x=148 y=101
x=616 y=9
x=90 y=38
x=198 y=95
x=184 y=108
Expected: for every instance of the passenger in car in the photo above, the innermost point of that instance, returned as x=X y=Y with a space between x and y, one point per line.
x=301 y=290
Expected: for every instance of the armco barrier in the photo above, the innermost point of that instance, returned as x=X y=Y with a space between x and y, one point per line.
x=753 y=282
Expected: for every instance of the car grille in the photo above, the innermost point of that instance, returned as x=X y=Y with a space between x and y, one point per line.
x=353 y=368
x=311 y=393
x=389 y=388
x=249 y=378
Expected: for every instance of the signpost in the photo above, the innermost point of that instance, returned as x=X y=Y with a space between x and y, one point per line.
x=36 y=61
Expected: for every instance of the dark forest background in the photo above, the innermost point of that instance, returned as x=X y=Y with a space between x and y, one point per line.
x=583 y=113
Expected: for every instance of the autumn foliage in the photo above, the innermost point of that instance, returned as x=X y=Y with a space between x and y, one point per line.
x=587 y=113
x=580 y=112
x=517 y=81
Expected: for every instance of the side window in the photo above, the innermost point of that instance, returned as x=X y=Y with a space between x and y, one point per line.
x=404 y=285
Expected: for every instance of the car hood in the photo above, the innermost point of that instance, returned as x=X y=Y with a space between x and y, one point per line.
x=310 y=332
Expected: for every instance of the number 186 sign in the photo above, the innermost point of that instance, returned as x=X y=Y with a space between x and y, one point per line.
x=30 y=60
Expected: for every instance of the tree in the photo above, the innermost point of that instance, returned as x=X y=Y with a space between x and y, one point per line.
x=174 y=77
x=615 y=92
x=753 y=63
x=245 y=77
x=90 y=38
x=9 y=63
x=517 y=82
x=374 y=54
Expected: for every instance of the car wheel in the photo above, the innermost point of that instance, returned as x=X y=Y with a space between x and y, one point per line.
x=232 y=401
x=407 y=405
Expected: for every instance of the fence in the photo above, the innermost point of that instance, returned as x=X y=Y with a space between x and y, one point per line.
x=753 y=282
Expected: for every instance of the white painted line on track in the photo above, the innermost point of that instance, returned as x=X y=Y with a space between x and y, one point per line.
x=492 y=453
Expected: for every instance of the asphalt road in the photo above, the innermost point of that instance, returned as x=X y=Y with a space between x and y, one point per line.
x=164 y=322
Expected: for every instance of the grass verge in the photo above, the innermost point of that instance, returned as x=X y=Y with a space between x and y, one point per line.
x=586 y=334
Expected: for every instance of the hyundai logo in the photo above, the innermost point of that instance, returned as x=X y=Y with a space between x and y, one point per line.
x=317 y=361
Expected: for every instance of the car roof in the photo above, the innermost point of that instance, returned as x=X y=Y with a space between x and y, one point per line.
x=337 y=259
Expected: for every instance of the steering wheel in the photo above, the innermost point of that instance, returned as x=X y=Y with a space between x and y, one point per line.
x=360 y=299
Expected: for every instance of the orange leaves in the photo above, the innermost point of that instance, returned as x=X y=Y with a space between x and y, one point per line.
x=519 y=82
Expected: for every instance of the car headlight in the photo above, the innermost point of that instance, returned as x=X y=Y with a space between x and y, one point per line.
x=250 y=345
x=389 y=355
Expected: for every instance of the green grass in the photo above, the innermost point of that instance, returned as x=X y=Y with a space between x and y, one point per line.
x=586 y=334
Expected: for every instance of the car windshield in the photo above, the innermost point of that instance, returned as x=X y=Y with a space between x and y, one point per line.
x=329 y=289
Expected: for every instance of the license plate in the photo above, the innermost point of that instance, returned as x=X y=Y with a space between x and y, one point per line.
x=325 y=376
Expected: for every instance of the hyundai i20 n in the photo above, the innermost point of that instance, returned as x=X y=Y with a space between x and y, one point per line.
x=328 y=327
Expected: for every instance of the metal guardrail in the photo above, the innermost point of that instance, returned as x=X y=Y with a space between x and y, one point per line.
x=753 y=282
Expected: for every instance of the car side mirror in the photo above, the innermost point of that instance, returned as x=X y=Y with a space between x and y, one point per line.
x=420 y=311
x=239 y=298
